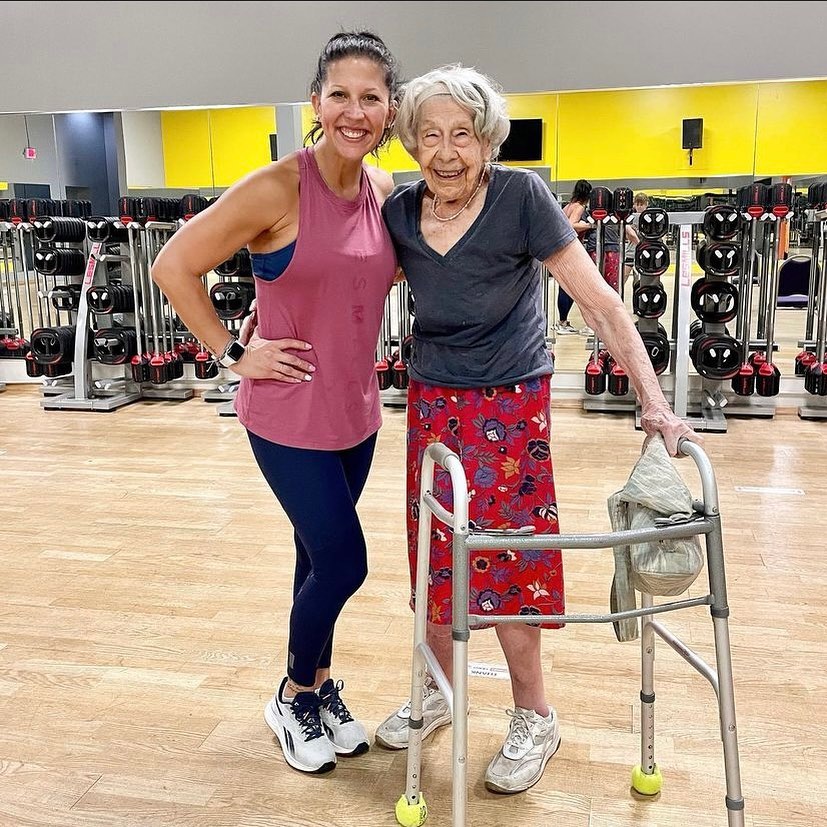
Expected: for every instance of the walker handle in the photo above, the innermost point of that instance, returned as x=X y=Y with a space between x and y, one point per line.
x=706 y=473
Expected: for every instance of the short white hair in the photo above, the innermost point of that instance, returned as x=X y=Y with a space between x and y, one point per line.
x=473 y=91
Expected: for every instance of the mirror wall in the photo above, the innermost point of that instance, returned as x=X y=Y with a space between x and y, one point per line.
x=629 y=137
x=764 y=132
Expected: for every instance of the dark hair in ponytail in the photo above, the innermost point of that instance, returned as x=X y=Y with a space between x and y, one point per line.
x=582 y=191
x=354 y=44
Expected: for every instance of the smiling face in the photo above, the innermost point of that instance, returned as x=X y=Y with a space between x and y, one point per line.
x=354 y=106
x=448 y=150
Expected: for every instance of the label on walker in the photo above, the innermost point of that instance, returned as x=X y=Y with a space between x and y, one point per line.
x=487 y=670
x=754 y=489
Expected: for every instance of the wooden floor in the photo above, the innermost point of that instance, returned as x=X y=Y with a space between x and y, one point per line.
x=143 y=606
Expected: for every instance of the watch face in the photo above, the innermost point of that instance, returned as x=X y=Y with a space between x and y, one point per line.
x=235 y=351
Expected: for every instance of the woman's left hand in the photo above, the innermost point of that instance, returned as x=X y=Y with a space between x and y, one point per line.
x=658 y=418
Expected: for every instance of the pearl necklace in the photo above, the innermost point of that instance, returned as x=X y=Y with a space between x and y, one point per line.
x=462 y=209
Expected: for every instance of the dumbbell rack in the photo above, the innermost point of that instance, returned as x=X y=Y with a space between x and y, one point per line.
x=707 y=412
x=19 y=249
x=817 y=309
x=392 y=345
x=708 y=415
x=109 y=394
x=5 y=289
x=82 y=396
x=6 y=283
x=150 y=238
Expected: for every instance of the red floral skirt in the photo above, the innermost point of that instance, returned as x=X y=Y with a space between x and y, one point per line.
x=502 y=437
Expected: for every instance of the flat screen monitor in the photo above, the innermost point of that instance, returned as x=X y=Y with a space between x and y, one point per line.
x=524 y=141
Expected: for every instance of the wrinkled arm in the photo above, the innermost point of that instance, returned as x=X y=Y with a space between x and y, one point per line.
x=605 y=313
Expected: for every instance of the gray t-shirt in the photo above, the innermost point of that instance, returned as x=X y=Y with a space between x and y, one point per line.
x=479 y=316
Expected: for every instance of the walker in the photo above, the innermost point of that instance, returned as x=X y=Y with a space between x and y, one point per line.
x=411 y=809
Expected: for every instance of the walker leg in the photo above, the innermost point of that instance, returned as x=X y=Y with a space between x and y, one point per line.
x=460 y=734
x=411 y=810
x=726 y=693
x=461 y=634
x=646 y=777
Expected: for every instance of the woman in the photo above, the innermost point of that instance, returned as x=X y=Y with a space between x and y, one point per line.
x=470 y=239
x=575 y=211
x=308 y=396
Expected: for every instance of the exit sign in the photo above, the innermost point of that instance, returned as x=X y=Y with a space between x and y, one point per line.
x=30 y=153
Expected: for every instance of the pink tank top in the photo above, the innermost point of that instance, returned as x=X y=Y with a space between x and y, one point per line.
x=332 y=295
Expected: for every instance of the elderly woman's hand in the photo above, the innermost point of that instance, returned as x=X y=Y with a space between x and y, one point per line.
x=249 y=325
x=658 y=418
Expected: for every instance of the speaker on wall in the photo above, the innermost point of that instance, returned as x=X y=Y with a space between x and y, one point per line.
x=693 y=129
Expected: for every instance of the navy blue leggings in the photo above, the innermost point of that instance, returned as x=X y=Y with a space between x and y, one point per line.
x=564 y=304
x=318 y=491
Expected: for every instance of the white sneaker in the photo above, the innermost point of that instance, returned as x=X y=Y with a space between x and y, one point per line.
x=393 y=731
x=298 y=727
x=565 y=328
x=347 y=735
x=530 y=742
x=586 y=331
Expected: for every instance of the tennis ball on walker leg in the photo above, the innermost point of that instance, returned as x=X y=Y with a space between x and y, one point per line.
x=411 y=815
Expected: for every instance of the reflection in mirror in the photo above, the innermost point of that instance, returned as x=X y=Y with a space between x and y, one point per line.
x=635 y=138
x=743 y=133
x=167 y=153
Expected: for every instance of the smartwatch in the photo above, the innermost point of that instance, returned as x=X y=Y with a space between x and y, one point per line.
x=232 y=353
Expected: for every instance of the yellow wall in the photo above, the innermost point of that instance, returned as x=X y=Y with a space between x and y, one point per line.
x=635 y=133
x=792 y=128
x=185 y=136
x=215 y=147
x=600 y=135
x=393 y=157
x=240 y=141
x=538 y=106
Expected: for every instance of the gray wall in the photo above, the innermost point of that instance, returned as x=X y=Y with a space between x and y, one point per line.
x=153 y=54
x=143 y=149
x=87 y=157
x=13 y=166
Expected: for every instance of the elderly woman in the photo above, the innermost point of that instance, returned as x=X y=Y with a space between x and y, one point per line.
x=470 y=238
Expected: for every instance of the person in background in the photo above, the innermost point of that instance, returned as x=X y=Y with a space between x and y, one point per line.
x=639 y=204
x=574 y=210
x=308 y=397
